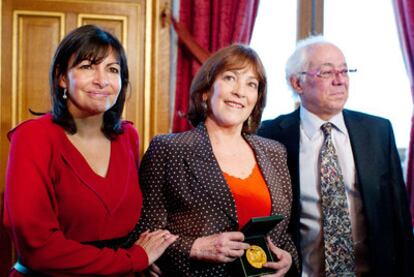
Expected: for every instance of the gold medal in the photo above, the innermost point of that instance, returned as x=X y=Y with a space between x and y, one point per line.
x=256 y=256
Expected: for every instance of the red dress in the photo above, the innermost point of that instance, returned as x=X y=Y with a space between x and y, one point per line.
x=54 y=201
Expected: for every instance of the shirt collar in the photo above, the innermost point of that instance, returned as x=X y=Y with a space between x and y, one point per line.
x=311 y=123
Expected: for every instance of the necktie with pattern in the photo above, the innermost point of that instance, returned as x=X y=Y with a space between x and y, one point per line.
x=337 y=235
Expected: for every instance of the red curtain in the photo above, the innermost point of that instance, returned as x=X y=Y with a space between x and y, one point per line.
x=212 y=24
x=404 y=10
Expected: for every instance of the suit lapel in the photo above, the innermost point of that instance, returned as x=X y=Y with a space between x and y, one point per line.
x=290 y=137
x=267 y=169
x=361 y=144
x=288 y=133
x=202 y=160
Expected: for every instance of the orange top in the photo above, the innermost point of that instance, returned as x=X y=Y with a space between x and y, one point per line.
x=251 y=195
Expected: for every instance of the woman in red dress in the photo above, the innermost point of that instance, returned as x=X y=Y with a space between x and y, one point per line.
x=72 y=193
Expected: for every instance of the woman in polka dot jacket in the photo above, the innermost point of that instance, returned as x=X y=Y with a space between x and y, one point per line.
x=205 y=184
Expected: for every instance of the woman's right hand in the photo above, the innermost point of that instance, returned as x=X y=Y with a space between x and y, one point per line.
x=220 y=248
x=155 y=243
x=283 y=263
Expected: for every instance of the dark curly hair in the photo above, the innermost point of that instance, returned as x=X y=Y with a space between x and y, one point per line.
x=92 y=43
x=233 y=57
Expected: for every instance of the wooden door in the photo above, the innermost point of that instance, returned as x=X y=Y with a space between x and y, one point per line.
x=30 y=33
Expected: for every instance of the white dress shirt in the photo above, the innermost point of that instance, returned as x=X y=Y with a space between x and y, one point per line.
x=311 y=139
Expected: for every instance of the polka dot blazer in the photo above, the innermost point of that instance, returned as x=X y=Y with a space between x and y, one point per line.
x=185 y=192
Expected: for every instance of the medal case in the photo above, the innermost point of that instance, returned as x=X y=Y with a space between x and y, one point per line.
x=255 y=232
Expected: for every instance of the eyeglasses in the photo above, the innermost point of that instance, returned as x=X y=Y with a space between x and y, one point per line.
x=329 y=73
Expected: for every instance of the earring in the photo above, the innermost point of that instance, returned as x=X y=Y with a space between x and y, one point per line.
x=204 y=105
x=64 y=94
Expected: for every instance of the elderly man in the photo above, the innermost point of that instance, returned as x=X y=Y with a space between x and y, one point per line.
x=350 y=209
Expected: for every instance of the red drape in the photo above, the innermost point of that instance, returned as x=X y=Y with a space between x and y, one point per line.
x=404 y=10
x=213 y=24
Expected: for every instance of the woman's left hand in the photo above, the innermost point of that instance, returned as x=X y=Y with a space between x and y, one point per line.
x=283 y=263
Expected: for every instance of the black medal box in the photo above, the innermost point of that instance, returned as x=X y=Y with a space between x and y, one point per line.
x=255 y=231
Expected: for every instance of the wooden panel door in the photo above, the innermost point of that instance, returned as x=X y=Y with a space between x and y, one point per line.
x=30 y=33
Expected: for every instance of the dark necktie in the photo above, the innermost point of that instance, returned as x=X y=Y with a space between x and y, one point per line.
x=337 y=235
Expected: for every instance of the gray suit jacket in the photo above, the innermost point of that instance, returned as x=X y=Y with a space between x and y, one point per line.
x=185 y=192
x=380 y=178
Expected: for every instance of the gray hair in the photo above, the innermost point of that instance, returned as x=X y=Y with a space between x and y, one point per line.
x=299 y=60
